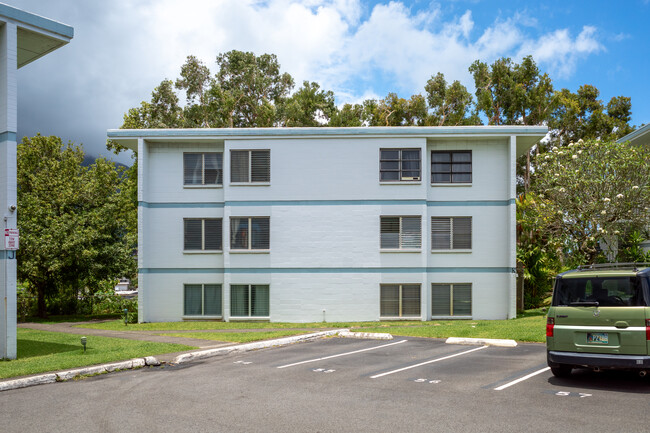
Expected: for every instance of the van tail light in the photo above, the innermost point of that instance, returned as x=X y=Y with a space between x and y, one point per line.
x=550 y=323
x=647 y=329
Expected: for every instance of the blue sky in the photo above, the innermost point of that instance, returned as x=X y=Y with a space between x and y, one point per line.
x=359 y=49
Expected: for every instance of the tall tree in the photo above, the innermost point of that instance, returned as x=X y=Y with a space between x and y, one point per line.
x=449 y=105
x=308 y=106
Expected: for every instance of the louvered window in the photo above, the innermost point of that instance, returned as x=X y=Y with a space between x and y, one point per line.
x=451 y=300
x=250 y=166
x=401 y=232
x=249 y=233
x=202 y=300
x=202 y=234
x=399 y=165
x=451 y=167
x=399 y=300
x=249 y=300
x=203 y=168
x=451 y=233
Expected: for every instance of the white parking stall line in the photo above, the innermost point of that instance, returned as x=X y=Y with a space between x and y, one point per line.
x=427 y=362
x=521 y=379
x=342 y=354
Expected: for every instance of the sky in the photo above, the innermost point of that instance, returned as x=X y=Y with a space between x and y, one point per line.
x=122 y=49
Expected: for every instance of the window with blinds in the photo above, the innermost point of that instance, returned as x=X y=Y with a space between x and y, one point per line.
x=451 y=167
x=203 y=168
x=399 y=300
x=202 y=234
x=451 y=300
x=400 y=232
x=250 y=166
x=399 y=165
x=250 y=233
x=202 y=300
x=451 y=233
x=249 y=300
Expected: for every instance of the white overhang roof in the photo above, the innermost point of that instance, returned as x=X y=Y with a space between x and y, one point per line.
x=641 y=136
x=526 y=136
x=37 y=36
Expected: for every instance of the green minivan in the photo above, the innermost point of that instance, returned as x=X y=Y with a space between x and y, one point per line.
x=600 y=318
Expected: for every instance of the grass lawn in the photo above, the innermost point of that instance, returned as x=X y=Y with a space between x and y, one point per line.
x=41 y=351
x=236 y=337
x=70 y=318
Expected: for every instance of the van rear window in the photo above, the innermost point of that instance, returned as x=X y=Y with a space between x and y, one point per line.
x=617 y=292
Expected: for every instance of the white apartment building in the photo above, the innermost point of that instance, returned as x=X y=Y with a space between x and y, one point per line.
x=327 y=224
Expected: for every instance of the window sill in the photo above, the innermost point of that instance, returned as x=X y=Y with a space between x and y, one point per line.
x=400 y=182
x=192 y=318
x=419 y=250
x=452 y=185
x=451 y=251
x=203 y=252
x=261 y=319
x=202 y=186
x=250 y=183
x=250 y=251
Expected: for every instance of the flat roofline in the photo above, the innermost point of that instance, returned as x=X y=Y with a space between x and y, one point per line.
x=637 y=136
x=129 y=137
x=36 y=21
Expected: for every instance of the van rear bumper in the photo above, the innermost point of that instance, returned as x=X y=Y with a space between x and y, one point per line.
x=556 y=358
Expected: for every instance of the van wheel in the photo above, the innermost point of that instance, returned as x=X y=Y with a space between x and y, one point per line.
x=561 y=371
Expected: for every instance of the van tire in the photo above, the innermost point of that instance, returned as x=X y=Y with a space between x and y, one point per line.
x=561 y=370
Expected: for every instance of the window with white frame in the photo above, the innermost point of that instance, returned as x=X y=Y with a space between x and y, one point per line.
x=249 y=300
x=401 y=232
x=202 y=234
x=451 y=233
x=203 y=168
x=399 y=300
x=250 y=166
x=399 y=165
x=249 y=233
x=202 y=300
x=451 y=299
x=451 y=166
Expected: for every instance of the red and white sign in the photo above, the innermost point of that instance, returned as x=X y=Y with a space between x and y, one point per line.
x=11 y=239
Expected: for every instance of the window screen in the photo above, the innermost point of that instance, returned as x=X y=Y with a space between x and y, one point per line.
x=449 y=233
x=250 y=166
x=250 y=233
x=451 y=167
x=400 y=232
x=202 y=300
x=249 y=300
x=451 y=300
x=202 y=234
x=399 y=165
x=203 y=168
x=399 y=300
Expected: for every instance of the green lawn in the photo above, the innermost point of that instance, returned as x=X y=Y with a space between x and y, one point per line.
x=41 y=351
x=236 y=337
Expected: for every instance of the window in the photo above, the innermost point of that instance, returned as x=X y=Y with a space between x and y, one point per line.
x=250 y=166
x=202 y=300
x=249 y=300
x=203 y=168
x=249 y=233
x=401 y=233
x=202 y=234
x=451 y=167
x=399 y=165
x=399 y=300
x=451 y=233
x=451 y=299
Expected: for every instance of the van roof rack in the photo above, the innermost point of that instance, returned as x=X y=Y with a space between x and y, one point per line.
x=621 y=266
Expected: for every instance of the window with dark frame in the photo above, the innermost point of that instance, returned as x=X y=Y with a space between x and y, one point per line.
x=203 y=168
x=399 y=300
x=249 y=300
x=400 y=232
x=250 y=166
x=249 y=233
x=451 y=166
x=400 y=165
x=202 y=300
x=451 y=299
x=451 y=233
x=202 y=234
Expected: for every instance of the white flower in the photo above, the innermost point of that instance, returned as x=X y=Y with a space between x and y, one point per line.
x=616 y=232
x=606 y=199
x=580 y=141
x=603 y=212
x=557 y=174
x=619 y=195
x=574 y=157
x=635 y=187
x=562 y=190
x=571 y=144
x=591 y=238
x=559 y=212
x=554 y=149
x=579 y=152
x=547 y=157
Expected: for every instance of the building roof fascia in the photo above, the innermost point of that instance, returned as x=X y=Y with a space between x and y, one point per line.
x=36 y=21
x=640 y=136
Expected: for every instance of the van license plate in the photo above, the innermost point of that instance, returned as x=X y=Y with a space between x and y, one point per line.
x=597 y=337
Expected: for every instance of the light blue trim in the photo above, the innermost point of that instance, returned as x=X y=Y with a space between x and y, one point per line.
x=414 y=270
x=214 y=205
x=415 y=131
x=8 y=136
x=368 y=202
x=36 y=21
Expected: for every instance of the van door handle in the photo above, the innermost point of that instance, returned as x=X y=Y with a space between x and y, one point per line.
x=621 y=324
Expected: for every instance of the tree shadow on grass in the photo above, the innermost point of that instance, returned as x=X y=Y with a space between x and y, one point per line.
x=31 y=348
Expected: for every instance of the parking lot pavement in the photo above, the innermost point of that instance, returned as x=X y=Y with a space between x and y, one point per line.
x=407 y=384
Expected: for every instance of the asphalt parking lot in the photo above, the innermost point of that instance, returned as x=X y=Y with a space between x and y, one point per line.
x=335 y=385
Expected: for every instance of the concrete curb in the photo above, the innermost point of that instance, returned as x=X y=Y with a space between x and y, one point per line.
x=193 y=356
x=481 y=342
x=366 y=335
x=71 y=374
